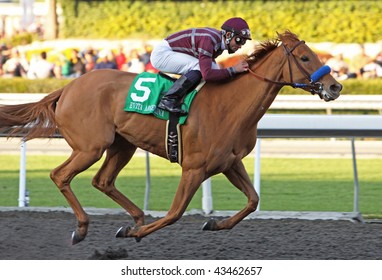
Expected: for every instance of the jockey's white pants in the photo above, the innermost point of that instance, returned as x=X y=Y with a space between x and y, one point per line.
x=166 y=60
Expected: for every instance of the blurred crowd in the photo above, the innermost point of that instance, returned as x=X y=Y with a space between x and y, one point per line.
x=360 y=66
x=15 y=63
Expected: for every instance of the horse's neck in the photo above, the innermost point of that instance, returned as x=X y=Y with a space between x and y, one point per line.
x=261 y=94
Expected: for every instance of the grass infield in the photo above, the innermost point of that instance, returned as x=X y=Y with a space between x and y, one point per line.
x=290 y=184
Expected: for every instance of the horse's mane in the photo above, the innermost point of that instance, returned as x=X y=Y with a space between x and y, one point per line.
x=265 y=47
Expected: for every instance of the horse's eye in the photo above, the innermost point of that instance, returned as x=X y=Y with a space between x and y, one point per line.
x=305 y=58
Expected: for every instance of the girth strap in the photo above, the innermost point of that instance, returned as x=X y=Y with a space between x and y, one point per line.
x=173 y=139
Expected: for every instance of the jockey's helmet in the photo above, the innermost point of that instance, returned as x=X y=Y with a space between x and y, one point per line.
x=238 y=27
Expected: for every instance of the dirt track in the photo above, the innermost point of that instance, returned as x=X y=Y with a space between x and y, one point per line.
x=46 y=236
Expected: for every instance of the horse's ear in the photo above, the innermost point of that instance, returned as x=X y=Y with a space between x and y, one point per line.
x=287 y=36
x=280 y=36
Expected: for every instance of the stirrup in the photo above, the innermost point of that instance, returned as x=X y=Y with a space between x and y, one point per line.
x=174 y=110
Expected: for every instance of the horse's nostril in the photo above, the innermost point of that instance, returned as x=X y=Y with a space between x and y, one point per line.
x=336 y=88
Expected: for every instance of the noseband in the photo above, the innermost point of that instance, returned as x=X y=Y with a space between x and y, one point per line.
x=313 y=86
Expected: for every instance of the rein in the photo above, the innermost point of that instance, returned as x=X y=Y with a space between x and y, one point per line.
x=314 y=87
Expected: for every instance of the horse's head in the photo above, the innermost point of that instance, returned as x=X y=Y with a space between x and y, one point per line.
x=305 y=70
x=301 y=66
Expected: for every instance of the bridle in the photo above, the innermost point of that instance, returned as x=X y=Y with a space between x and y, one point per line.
x=313 y=86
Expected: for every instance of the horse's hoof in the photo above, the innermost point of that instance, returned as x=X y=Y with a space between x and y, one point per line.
x=124 y=232
x=210 y=225
x=76 y=238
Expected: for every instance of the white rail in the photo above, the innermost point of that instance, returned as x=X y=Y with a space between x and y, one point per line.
x=344 y=102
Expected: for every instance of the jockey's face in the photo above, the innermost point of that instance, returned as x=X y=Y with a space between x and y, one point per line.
x=235 y=43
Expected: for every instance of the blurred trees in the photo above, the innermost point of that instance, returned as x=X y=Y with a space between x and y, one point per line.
x=315 y=20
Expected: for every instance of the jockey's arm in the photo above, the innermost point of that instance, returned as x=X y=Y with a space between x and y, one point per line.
x=211 y=74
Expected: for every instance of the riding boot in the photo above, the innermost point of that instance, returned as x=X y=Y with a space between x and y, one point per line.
x=172 y=99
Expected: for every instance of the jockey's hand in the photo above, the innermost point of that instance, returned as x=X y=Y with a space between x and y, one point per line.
x=242 y=66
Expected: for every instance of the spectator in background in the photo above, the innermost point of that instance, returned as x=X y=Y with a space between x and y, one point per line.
x=378 y=63
x=359 y=61
x=40 y=68
x=106 y=60
x=120 y=58
x=75 y=66
x=60 y=65
x=374 y=68
x=145 y=58
x=134 y=64
x=90 y=61
x=16 y=65
x=4 y=56
x=340 y=69
x=336 y=63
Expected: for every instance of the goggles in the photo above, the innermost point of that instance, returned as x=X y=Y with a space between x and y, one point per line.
x=240 y=41
x=246 y=33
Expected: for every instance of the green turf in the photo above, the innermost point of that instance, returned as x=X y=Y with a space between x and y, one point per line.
x=293 y=184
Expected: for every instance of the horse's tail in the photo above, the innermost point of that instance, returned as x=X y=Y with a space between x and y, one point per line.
x=31 y=120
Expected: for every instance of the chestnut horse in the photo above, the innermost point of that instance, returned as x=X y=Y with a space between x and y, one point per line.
x=219 y=132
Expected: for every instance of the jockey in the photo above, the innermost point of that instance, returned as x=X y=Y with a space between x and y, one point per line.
x=192 y=53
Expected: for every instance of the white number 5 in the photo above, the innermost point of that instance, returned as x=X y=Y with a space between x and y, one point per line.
x=146 y=90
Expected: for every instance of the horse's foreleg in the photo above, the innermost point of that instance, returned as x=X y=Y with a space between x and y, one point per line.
x=117 y=156
x=238 y=176
x=63 y=175
x=188 y=185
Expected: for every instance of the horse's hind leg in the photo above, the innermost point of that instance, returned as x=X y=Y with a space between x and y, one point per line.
x=64 y=174
x=117 y=156
x=238 y=176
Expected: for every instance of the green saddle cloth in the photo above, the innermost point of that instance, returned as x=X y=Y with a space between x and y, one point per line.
x=145 y=93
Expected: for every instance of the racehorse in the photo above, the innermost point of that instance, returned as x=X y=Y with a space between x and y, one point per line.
x=219 y=132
